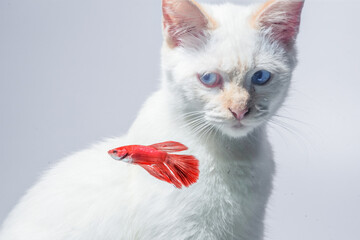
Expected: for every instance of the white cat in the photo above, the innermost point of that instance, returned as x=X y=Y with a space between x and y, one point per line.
x=226 y=70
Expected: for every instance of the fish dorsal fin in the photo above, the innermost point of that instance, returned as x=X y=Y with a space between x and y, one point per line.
x=169 y=146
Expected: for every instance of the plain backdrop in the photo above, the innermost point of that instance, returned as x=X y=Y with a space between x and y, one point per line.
x=73 y=72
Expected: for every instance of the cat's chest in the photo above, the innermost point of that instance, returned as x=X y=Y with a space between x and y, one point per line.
x=219 y=204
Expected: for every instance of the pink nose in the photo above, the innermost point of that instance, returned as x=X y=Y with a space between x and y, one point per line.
x=239 y=114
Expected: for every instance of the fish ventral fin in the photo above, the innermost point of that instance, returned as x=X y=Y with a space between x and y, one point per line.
x=157 y=171
x=160 y=171
x=170 y=146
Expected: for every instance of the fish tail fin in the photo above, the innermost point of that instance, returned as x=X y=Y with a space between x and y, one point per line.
x=185 y=168
x=170 y=146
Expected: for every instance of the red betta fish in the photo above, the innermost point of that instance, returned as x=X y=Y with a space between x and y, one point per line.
x=180 y=170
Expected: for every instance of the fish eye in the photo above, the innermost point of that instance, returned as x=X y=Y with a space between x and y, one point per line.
x=261 y=77
x=210 y=80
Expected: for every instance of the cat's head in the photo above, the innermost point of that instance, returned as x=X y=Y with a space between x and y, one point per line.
x=229 y=66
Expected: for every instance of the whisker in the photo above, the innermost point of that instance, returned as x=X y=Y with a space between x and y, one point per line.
x=291 y=130
x=292 y=119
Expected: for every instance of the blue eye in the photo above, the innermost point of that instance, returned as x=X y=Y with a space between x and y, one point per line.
x=261 y=77
x=210 y=79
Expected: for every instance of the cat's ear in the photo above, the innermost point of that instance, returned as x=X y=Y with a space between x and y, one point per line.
x=186 y=24
x=280 y=18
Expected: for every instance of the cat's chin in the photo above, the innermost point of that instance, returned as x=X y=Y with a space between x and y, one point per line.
x=237 y=130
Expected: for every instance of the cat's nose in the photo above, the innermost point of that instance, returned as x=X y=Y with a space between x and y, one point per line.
x=239 y=114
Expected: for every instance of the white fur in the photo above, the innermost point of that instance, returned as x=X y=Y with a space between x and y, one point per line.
x=90 y=196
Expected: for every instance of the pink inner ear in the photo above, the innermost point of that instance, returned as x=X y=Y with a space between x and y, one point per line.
x=283 y=18
x=184 y=22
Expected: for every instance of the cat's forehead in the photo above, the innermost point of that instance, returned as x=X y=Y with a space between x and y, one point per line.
x=234 y=41
x=228 y=13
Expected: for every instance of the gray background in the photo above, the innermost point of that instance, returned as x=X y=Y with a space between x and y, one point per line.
x=73 y=72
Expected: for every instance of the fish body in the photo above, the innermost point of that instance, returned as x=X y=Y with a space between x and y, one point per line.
x=138 y=154
x=180 y=170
